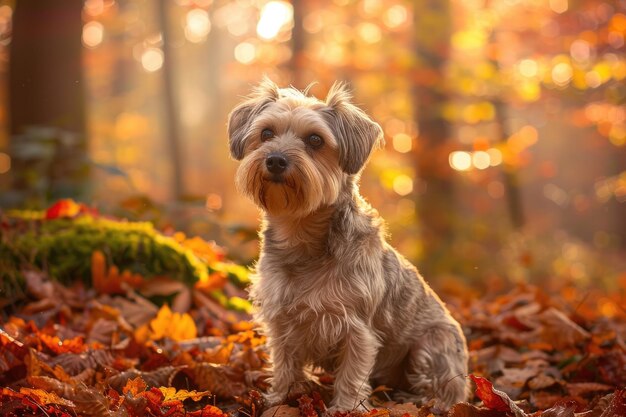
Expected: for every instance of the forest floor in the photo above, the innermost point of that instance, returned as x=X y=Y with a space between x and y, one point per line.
x=113 y=347
x=69 y=351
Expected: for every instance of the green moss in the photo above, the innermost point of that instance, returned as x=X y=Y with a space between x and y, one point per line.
x=64 y=246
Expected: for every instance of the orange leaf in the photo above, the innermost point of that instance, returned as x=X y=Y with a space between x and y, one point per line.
x=74 y=345
x=43 y=397
x=98 y=270
x=134 y=386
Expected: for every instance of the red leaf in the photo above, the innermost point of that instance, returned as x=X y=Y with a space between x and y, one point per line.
x=208 y=411
x=305 y=404
x=485 y=391
x=66 y=208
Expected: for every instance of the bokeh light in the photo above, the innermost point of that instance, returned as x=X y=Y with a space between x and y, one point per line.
x=481 y=160
x=402 y=142
x=93 y=34
x=403 y=185
x=197 y=25
x=562 y=74
x=274 y=16
x=528 y=68
x=152 y=59
x=245 y=52
x=460 y=160
x=395 y=16
x=369 y=32
x=559 y=6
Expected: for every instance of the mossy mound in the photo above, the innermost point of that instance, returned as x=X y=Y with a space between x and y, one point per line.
x=63 y=247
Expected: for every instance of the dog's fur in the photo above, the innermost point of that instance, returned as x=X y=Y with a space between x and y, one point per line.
x=329 y=291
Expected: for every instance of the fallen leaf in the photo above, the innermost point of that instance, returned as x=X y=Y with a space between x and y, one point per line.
x=493 y=398
x=171 y=394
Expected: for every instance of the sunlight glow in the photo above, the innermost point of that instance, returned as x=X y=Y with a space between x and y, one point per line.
x=93 y=33
x=562 y=74
x=580 y=50
x=403 y=185
x=460 y=160
x=152 y=59
x=245 y=52
x=559 y=6
x=528 y=68
x=197 y=25
x=274 y=16
x=481 y=160
x=369 y=32
x=402 y=143
x=395 y=16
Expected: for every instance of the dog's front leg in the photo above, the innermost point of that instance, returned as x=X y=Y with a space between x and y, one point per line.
x=352 y=388
x=287 y=367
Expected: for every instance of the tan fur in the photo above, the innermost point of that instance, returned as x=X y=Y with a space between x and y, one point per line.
x=329 y=291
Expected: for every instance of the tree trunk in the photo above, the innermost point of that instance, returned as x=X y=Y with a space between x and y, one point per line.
x=436 y=205
x=297 y=44
x=46 y=90
x=172 y=128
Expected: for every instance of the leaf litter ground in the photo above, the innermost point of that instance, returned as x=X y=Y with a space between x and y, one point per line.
x=74 y=351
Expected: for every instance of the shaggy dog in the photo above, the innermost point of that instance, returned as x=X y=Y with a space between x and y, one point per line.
x=329 y=290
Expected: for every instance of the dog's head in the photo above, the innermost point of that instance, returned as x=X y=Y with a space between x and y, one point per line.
x=297 y=152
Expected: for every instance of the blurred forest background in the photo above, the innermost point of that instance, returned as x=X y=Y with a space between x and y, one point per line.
x=505 y=124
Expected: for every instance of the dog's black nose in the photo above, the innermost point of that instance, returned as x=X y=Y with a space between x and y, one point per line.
x=276 y=163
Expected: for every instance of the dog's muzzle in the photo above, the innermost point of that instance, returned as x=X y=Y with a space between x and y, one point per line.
x=276 y=163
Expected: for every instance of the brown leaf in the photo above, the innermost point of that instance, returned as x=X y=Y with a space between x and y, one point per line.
x=74 y=364
x=160 y=377
x=561 y=410
x=541 y=381
x=560 y=331
x=581 y=389
x=221 y=380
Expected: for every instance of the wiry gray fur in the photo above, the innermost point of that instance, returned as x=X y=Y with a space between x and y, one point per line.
x=329 y=291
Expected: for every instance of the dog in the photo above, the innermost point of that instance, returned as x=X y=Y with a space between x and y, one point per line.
x=328 y=290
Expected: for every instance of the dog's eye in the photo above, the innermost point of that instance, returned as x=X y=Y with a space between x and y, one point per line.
x=314 y=141
x=267 y=134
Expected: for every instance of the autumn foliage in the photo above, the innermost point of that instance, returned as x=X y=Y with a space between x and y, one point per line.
x=124 y=345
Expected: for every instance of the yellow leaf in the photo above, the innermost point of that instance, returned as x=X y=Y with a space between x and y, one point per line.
x=170 y=394
x=174 y=326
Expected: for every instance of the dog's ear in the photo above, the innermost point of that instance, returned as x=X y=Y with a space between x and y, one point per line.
x=241 y=117
x=355 y=132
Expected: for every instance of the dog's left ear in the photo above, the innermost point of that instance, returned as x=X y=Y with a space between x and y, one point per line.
x=241 y=117
x=355 y=132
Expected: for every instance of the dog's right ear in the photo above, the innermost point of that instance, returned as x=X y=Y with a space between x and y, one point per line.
x=241 y=117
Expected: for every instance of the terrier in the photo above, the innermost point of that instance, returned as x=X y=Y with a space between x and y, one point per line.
x=329 y=291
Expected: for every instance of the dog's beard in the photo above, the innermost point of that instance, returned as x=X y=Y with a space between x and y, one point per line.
x=299 y=191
